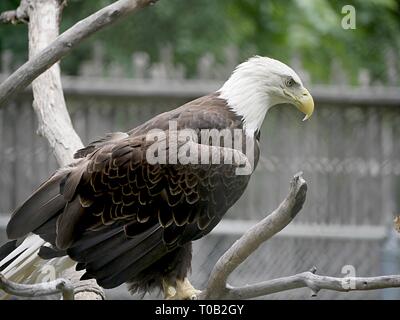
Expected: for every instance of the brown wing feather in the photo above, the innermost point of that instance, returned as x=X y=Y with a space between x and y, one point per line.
x=118 y=184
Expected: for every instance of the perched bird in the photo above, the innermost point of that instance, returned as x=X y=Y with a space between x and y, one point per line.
x=125 y=218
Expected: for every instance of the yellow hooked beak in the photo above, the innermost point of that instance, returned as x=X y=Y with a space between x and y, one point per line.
x=305 y=104
x=303 y=101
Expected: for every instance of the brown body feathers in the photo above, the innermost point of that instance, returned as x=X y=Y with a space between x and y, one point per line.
x=126 y=220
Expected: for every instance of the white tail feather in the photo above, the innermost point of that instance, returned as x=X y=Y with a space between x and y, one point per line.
x=28 y=267
x=25 y=251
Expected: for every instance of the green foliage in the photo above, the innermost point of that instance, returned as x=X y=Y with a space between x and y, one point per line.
x=281 y=29
x=13 y=37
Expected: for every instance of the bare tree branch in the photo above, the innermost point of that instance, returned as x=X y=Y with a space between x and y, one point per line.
x=65 y=43
x=217 y=285
x=39 y=289
x=315 y=282
x=20 y=15
x=83 y=289
x=49 y=103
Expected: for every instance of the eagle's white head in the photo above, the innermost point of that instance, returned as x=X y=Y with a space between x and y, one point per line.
x=260 y=83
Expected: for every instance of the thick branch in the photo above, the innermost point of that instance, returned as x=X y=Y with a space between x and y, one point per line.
x=39 y=289
x=65 y=43
x=83 y=289
x=253 y=238
x=49 y=104
x=314 y=282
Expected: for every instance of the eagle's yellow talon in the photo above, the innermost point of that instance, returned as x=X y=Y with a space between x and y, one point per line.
x=185 y=290
x=182 y=291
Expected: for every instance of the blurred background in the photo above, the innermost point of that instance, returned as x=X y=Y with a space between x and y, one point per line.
x=177 y=50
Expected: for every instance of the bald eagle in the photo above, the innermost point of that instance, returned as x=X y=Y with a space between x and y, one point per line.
x=125 y=219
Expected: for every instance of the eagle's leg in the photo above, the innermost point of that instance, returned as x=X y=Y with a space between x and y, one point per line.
x=175 y=284
x=169 y=290
x=185 y=290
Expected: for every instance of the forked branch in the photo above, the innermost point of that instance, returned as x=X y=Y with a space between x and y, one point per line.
x=314 y=282
x=218 y=288
x=217 y=285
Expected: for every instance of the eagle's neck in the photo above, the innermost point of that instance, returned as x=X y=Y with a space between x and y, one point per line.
x=248 y=99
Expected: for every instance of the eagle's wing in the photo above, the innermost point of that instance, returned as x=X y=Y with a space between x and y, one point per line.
x=116 y=214
x=107 y=139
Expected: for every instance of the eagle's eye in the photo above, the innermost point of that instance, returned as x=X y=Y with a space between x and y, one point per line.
x=290 y=82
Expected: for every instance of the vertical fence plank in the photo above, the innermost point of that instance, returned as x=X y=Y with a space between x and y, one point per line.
x=78 y=111
x=99 y=119
x=8 y=191
x=24 y=175
x=320 y=186
x=388 y=195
